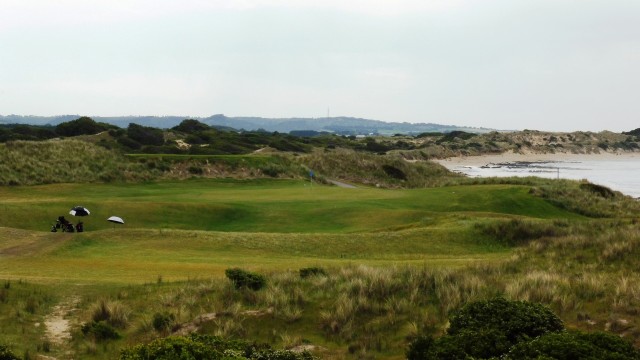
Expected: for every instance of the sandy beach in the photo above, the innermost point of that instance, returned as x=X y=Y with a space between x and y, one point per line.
x=508 y=157
x=619 y=172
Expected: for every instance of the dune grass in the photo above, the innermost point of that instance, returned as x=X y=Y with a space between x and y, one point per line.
x=59 y=161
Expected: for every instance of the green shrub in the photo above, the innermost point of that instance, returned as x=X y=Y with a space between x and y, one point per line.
x=145 y=135
x=487 y=329
x=31 y=305
x=481 y=344
x=82 y=126
x=129 y=143
x=244 y=279
x=207 y=347
x=163 y=321
x=599 y=190
x=312 y=271
x=272 y=170
x=574 y=345
x=6 y=354
x=99 y=331
x=195 y=170
x=420 y=347
x=520 y=320
x=191 y=126
x=394 y=172
x=513 y=330
x=112 y=312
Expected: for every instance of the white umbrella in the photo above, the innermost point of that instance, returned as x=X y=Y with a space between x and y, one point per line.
x=115 y=219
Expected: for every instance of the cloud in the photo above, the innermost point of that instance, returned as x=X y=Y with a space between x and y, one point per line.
x=18 y=14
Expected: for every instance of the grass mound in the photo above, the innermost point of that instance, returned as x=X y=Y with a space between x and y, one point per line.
x=63 y=161
x=380 y=170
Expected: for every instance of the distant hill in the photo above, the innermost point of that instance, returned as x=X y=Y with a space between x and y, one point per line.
x=339 y=125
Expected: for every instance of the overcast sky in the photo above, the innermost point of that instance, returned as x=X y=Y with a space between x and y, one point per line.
x=558 y=65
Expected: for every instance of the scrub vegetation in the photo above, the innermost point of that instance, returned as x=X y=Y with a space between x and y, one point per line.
x=273 y=265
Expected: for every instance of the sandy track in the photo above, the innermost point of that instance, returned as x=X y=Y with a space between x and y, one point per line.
x=58 y=326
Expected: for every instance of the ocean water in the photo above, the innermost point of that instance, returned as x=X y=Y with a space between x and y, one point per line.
x=618 y=173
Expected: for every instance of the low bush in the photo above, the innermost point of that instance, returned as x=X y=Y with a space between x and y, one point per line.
x=244 y=279
x=483 y=344
x=163 y=321
x=520 y=330
x=394 y=172
x=99 y=331
x=195 y=170
x=207 y=347
x=113 y=312
x=272 y=170
x=6 y=354
x=599 y=190
x=487 y=329
x=518 y=319
x=574 y=345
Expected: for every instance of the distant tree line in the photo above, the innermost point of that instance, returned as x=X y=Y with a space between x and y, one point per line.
x=197 y=138
x=194 y=136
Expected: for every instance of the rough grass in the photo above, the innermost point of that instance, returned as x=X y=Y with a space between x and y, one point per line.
x=254 y=166
x=63 y=161
x=376 y=170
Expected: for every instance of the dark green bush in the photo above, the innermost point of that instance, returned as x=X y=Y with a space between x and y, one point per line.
x=129 y=143
x=420 y=347
x=244 y=279
x=82 y=126
x=599 y=190
x=374 y=146
x=201 y=347
x=163 y=321
x=394 y=172
x=574 y=346
x=481 y=344
x=191 y=126
x=272 y=170
x=487 y=329
x=196 y=170
x=145 y=135
x=312 y=271
x=31 y=305
x=515 y=330
x=520 y=320
x=6 y=354
x=453 y=135
x=99 y=331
